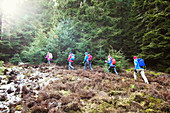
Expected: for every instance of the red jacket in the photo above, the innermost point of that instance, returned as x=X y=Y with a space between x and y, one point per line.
x=69 y=57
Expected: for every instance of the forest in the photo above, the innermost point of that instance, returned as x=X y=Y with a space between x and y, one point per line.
x=100 y=27
x=120 y=28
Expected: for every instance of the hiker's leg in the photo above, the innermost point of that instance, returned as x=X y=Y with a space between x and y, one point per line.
x=144 y=77
x=115 y=70
x=69 y=66
x=135 y=77
x=48 y=61
x=90 y=66
x=109 y=69
x=72 y=66
x=85 y=66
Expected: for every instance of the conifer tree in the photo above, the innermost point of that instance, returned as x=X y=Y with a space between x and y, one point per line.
x=155 y=42
x=100 y=54
x=0 y=24
x=94 y=20
x=148 y=33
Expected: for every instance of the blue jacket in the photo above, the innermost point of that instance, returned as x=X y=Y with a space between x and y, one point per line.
x=136 y=63
x=86 y=58
x=110 y=62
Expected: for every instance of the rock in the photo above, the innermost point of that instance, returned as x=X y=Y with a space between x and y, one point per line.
x=25 y=65
x=5 y=71
x=137 y=105
x=10 y=90
x=31 y=104
x=11 y=79
x=39 y=109
x=2 y=97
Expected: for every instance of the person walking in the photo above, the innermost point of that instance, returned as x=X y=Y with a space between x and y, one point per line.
x=139 y=69
x=112 y=64
x=88 y=60
x=49 y=57
x=71 y=58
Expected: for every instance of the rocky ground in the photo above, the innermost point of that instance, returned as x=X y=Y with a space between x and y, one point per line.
x=54 y=89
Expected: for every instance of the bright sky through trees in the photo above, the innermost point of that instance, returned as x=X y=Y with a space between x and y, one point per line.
x=10 y=6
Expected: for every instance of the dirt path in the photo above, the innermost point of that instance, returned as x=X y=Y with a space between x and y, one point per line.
x=54 y=89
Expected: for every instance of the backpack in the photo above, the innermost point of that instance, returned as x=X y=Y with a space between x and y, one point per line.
x=90 y=57
x=72 y=57
x=141 y=62
x=113 y=61
x=50 y=56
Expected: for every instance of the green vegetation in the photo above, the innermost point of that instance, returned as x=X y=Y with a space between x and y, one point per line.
x=100 y=27
x=1 y=63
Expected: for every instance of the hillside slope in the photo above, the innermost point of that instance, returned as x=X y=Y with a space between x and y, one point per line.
x=54 y=89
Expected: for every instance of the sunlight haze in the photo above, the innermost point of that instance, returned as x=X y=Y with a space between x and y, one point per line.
x=9 y=6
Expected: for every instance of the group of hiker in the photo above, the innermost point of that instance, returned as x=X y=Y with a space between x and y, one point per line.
x=87 y=60
x=139 y=64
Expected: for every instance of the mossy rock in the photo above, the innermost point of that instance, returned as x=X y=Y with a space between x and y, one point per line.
x=65 y=92
x=152 y=104
x=116 y=92
x=123 y=103
x=155 y=103
x=103 y=107
x=136 y=96
x=149 y=111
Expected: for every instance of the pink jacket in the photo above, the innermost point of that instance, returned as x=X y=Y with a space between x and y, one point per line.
x=48 y=56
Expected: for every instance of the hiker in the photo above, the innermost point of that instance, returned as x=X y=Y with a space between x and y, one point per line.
x=49 y=57
x=139 y=69
x=112 y=64
x=71 y=58
x=87 y=60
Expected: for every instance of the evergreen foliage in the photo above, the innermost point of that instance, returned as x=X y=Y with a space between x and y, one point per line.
x=100 y=55
x=148 y=33
x=36 y=52
x=65 y=41
x=95 y=21
x=5 y=49
x=99 y=27
x=60 y=42
x=16 y=59
x=121 y=61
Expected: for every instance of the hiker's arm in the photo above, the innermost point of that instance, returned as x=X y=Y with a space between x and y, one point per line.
x=69 y=57
x=108 y=61
x=135 y=63
x=47 y=56
x=85 y=59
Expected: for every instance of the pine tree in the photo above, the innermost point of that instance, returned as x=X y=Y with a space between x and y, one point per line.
x=18 y=31
x=34 y=16
x=155 y=42
x=100 y=54
x=147 y=33
x=94 y=20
